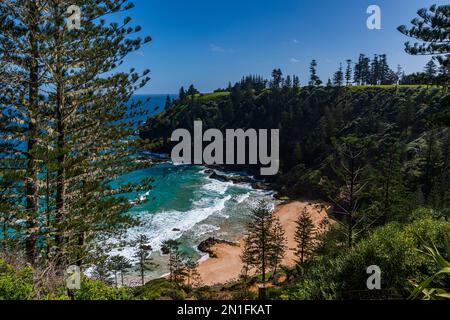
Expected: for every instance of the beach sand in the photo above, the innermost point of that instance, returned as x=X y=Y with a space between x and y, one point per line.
x=227 y=265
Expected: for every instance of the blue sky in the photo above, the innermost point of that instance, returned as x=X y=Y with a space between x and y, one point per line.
x=209 y=43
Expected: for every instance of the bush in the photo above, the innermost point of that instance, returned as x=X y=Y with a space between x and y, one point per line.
x=15 y=284
x=393 y=248
x=160 y=289
x=97 y=290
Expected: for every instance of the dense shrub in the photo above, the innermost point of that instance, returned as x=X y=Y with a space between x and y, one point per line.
x=160 y=289
x=97 y=290
x=393 y=248
x=15 y=284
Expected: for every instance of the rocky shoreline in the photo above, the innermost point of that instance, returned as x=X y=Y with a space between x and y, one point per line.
x=259 y=185
x=207 y=245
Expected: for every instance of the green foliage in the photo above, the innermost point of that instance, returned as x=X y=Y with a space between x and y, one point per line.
x=69 y=147
x=142 y=254
x=15 y=284
x=431 y=27
x=177 y=267
x=212 y=96
x=264 y=243
x=377 y=114
x=97 y=290
x=160 y=289
x=392 y=247
x=304 y=236
x=444 y=266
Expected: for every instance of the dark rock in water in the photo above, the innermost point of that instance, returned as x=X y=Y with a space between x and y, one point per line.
x=205 y=246
x=241 y=179
x=261 y=186
x=209 y=171
x=176 y=230
x=218 y=177
x=235 y=179
x=165 y=250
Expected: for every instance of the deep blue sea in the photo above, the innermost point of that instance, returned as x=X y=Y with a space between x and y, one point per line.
x=156 y=103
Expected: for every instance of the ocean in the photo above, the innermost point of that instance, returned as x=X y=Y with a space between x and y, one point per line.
x=184 y=204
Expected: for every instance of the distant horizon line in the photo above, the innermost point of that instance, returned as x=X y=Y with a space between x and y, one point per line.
x=155 y=94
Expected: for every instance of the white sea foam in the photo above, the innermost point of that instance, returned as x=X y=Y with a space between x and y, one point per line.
x=241 y=198
x=214 y=198
x=172 y=224
x=203 y=229
x=216 y=186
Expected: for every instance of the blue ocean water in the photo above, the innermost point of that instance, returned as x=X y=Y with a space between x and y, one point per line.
x=186 y=205
x=153 y=103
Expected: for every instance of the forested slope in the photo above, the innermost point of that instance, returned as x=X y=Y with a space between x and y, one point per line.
x=314 y=121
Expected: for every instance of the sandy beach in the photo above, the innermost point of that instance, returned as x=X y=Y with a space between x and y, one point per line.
x=227 y=265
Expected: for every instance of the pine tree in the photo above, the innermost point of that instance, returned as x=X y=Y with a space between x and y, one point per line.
x=430 y=71
x=191 y=92
x=20 y=57
x=177 y=270
x=102 y=265
x=77 y=137
x=296 y=82
x=97 y=112
x=314 y=80
x=261 y=247
x=348 y=73
x=277 y=78
x=384 y=71
x=329 y=83
x=279 y=245
x=357 y=73
x=120 y=264
x=288 y=82
x=346 y=189
x=338 y=78
x=432 y=28
x=365 y=71
x=182 y=94
x=304 y=236
x=374 y=77
x=142 y=255
x=193 y=278
x=388 y=186
x=168 y=103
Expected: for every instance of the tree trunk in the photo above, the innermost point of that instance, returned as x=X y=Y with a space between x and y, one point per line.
x=61 y=172
x=351 y=202
x=263 y=249
x=31 y=177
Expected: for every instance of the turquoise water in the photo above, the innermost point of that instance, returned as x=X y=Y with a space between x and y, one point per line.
x=186 y=205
